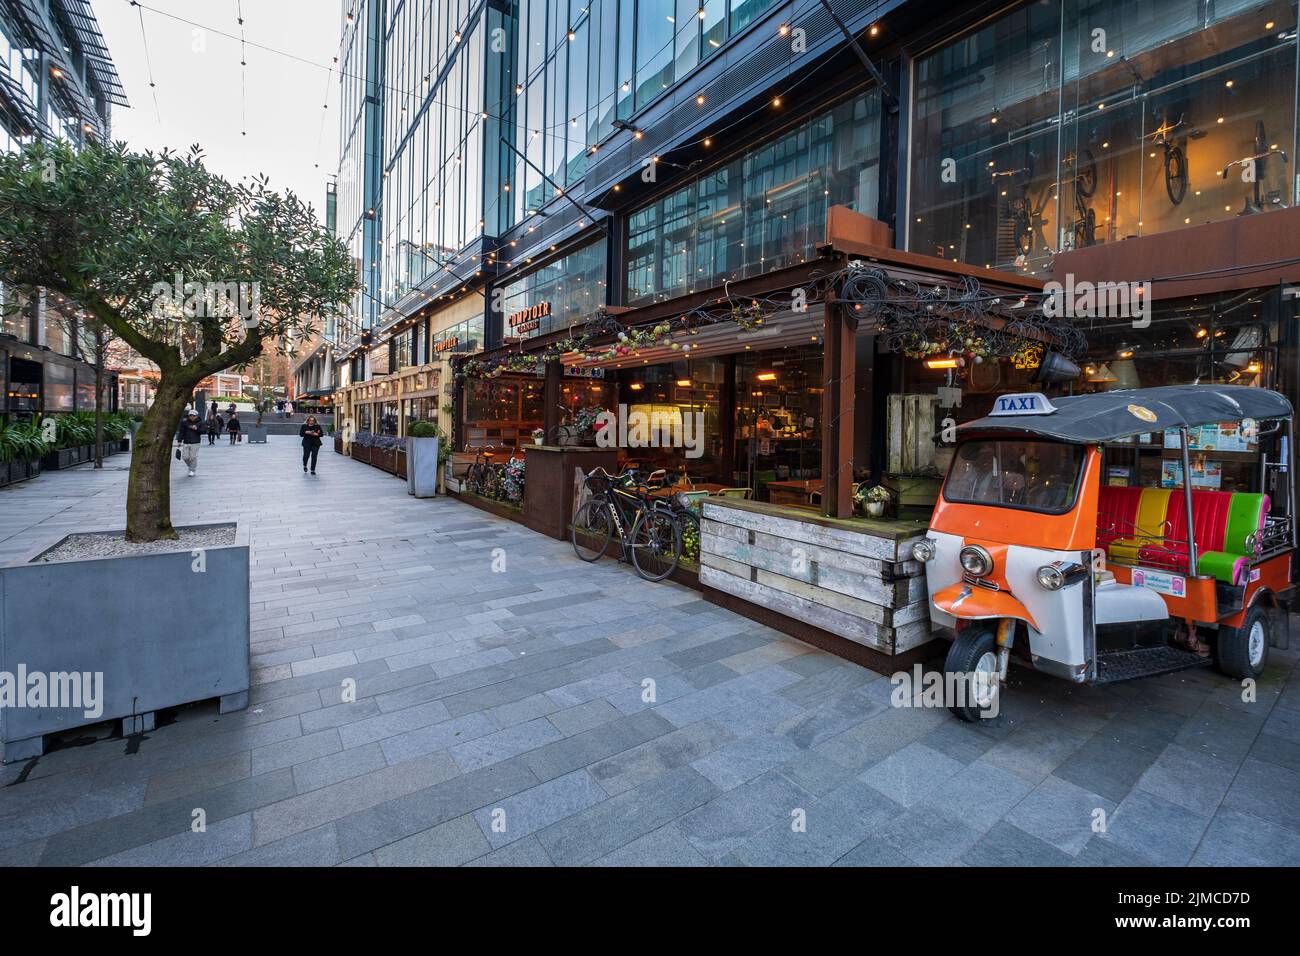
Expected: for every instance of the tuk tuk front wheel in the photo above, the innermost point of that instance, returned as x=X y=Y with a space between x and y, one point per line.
x=971 y=671
x=1242 y=652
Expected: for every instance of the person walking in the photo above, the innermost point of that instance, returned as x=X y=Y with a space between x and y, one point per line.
x=215 y=425
x=188 y=437
x=288 y=407
x=233 y=427
x=311 y=434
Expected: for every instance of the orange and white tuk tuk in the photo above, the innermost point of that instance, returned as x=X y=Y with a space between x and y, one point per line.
x=1039 y=548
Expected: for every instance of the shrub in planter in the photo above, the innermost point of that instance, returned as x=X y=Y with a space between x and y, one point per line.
x=424 y=458
x=21 y=445
x=362 y=443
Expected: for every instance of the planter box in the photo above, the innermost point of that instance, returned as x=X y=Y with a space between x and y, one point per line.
x=124 y=445
x=59 y=458
x=385 y=459
x=361 y=452
x=255 y=434
x=422 y=467
x=338 y=444
x=85 y=616
x=400 y=458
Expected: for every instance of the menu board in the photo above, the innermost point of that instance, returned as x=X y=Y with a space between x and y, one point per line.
x=1226 y=436
x=1205 y=474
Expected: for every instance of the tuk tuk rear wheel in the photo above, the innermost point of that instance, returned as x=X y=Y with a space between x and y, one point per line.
x=1242 y=652
x=971 y=670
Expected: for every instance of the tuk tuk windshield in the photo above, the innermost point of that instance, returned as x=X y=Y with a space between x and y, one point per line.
x=1029 y=474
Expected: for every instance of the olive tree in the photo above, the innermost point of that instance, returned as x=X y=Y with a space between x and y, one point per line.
x=192 y=271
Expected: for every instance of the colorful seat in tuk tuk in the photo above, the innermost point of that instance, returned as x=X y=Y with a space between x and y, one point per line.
x=1133 y=521
x=1223 y=523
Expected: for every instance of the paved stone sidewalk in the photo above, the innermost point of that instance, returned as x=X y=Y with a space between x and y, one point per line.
x=500 y=720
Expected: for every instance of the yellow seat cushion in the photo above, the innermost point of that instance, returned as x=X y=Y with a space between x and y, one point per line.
x=1149 y=526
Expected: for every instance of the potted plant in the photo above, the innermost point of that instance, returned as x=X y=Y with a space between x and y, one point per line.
x=583 y=427
x=423 y=452
x=512 y=484
x=873 y=500
x=539 y=436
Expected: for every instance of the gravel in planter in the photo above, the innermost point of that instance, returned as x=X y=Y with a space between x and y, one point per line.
x=78 y=547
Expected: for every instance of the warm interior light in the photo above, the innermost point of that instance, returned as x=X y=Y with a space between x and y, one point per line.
x=943 y=362
x=766 y=376
x=636 y=386
x=684 y=382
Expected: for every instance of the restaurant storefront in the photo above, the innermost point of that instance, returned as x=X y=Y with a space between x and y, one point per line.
x=822 y=350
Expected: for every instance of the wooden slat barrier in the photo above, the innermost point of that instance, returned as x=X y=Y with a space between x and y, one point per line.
x=851 y=583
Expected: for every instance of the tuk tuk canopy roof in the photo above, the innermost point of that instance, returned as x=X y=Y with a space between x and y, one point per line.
x=1109 y=416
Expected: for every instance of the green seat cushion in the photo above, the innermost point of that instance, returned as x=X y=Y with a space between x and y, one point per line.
x=1245 y=517
x=1220 y=565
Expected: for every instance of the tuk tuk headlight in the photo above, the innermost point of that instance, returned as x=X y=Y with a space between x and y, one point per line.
x=975 y=560
x=923 y=550
x=1051 y=577
x=1060 y=574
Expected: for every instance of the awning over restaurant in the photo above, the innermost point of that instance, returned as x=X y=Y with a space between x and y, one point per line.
x=726 y=338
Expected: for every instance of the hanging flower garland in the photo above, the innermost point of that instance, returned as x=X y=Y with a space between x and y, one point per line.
x=913 y=319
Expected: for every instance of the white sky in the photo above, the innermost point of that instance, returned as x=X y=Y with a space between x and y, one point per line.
x=197 y=73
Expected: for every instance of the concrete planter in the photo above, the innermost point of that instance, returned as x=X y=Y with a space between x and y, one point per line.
x=422 y=467
x=59 y=458
x=255 y=434
x=87 y=617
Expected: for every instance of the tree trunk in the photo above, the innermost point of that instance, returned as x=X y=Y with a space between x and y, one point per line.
x=148 y=492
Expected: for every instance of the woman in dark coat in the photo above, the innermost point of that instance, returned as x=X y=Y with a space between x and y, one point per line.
x=214 y=424
x=233 y=427
x=311 y=434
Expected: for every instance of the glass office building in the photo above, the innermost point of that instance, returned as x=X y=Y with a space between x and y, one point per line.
x=1062 y=124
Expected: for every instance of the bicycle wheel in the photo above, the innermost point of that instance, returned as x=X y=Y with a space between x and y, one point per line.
x=689 y=527
x=656 y=544
x=1085 y=171
x=1175 y=174
x=474 y=480
x=592 y=531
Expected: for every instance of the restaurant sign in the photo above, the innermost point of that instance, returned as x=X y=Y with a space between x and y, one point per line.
x=529 y=320
x=445 y=344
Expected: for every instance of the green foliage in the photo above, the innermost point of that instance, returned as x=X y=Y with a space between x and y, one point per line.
x=423 y=429
x=72 y=429
x=21 y=441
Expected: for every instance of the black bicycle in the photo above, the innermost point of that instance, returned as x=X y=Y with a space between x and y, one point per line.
x=621 y=508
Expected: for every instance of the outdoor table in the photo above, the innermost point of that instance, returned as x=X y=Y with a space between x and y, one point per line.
x=793 y=492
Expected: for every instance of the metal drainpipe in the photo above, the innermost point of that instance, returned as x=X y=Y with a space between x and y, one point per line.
x=1187 y=497
x=1290 y=476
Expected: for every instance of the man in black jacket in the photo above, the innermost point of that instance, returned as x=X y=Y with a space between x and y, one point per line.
x=188 y=436
x=311 y=434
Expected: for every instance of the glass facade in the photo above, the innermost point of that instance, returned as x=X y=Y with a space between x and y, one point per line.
x=764 y=210
x=433 y=138
x=1067 y=123
x=562 y=293
x=579 y=65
